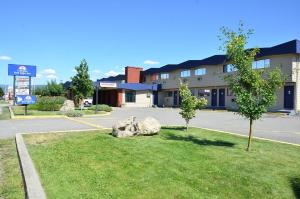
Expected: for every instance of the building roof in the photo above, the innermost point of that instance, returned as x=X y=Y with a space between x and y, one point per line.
x=113 y=78
x=291 y=47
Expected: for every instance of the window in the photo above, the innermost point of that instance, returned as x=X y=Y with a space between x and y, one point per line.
x=229 y=92
x=169 y=93
x=154 y=77
x=228 y=68
x=192 y=91
x=185 y=73
x=130 y=96
x=259 y=64
x=200 y=71
x=164 y=76
x=203 y=92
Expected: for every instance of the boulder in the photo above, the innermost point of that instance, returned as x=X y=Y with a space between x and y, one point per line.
x=149 y=126
x=68 y=106
x=130 y=127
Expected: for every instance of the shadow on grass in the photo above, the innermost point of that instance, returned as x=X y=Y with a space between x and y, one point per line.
x=198 y=141
x=295 y=184
x=178 y=128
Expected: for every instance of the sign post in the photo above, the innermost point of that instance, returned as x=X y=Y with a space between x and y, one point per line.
x=23 y=95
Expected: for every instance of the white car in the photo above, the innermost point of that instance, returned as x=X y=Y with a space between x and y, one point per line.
x=88 y=102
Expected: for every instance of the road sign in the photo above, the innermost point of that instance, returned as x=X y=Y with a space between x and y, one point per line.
x=22 y=85
x=21 y=70
x=25 y=99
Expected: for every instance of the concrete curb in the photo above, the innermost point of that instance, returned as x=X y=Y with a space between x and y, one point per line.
x=12 y=115
x=33 y=186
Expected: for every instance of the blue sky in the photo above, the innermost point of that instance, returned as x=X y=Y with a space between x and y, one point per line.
x=56 y=35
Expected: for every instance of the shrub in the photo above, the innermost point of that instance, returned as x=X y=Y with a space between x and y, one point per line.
x=49 y=103
x=73 y=114
x=101 y=107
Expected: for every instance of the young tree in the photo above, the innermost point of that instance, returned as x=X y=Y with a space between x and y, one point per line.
x=189 y=103
x=82 y=85
x=254 y=89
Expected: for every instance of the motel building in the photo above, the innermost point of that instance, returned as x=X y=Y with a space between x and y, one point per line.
x=126 y=90
x=159 y=86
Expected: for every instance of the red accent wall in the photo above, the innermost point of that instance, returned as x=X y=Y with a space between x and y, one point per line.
x=119 y=102
x=133 y=74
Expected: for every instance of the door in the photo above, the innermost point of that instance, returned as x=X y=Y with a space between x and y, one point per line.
x=175 y=98
x=222 y=97
x=288 y=97
x=155 y=98
x=214 y=97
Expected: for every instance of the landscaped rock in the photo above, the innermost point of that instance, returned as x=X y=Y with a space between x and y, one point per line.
x=68 y=106
x=130 y=127
x=149 y=126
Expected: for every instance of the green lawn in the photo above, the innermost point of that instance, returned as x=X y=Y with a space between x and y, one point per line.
x=5 y=114
x=11 y=184
x=174 y=164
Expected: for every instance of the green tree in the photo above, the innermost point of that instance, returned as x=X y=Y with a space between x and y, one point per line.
x=189 y=103
x=54 y=89
x=1 y=92
x=254 y=89
x=82 y=85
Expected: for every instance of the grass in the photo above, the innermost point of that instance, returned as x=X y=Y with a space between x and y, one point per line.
x=11 y=184
x=3 y=102
x=5 y=114
x=173 y=164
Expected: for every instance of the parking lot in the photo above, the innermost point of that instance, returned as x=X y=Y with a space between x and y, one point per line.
x=271 y=126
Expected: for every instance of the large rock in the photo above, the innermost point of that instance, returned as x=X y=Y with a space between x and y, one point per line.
x=149 y=126
x=130 y=127
x=68 y=106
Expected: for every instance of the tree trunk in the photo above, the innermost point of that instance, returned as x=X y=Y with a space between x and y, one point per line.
x=250 y=135
x=186 y=125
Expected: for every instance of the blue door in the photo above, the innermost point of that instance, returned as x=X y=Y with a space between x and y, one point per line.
x=214 y=97
x=221 y=97
x=155 y=98
x=288 y=97
x=175 y=98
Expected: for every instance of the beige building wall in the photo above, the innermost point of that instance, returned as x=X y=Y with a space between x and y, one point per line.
x=214 y=79
x=142 y=99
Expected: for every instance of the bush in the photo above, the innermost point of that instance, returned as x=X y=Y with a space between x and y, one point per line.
x=73 y=114
x=48 y=104
x=101 y=107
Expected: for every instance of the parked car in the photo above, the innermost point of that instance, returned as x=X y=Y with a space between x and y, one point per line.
x=88 y=102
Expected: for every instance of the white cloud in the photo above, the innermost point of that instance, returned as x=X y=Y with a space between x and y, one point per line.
x=49 y=73
x=111 y=73
x=151 y=62
x=51 y=77
x=5 y=58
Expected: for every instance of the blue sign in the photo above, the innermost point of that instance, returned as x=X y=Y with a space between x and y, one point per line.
x=21 y=70
x=25 y=99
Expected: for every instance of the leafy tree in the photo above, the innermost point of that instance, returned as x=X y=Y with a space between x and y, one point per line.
x=55 y=89
x=254 y=89
x=82 y=85
x=1 y=92
x=189 y=103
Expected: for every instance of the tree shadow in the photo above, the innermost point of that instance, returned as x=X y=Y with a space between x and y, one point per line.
x=295 y=184
x=195 y=140
x=178 y=128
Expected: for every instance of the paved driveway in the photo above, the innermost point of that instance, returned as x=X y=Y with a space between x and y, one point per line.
x=271 y=126
x=276 y=127
x=8 y=128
